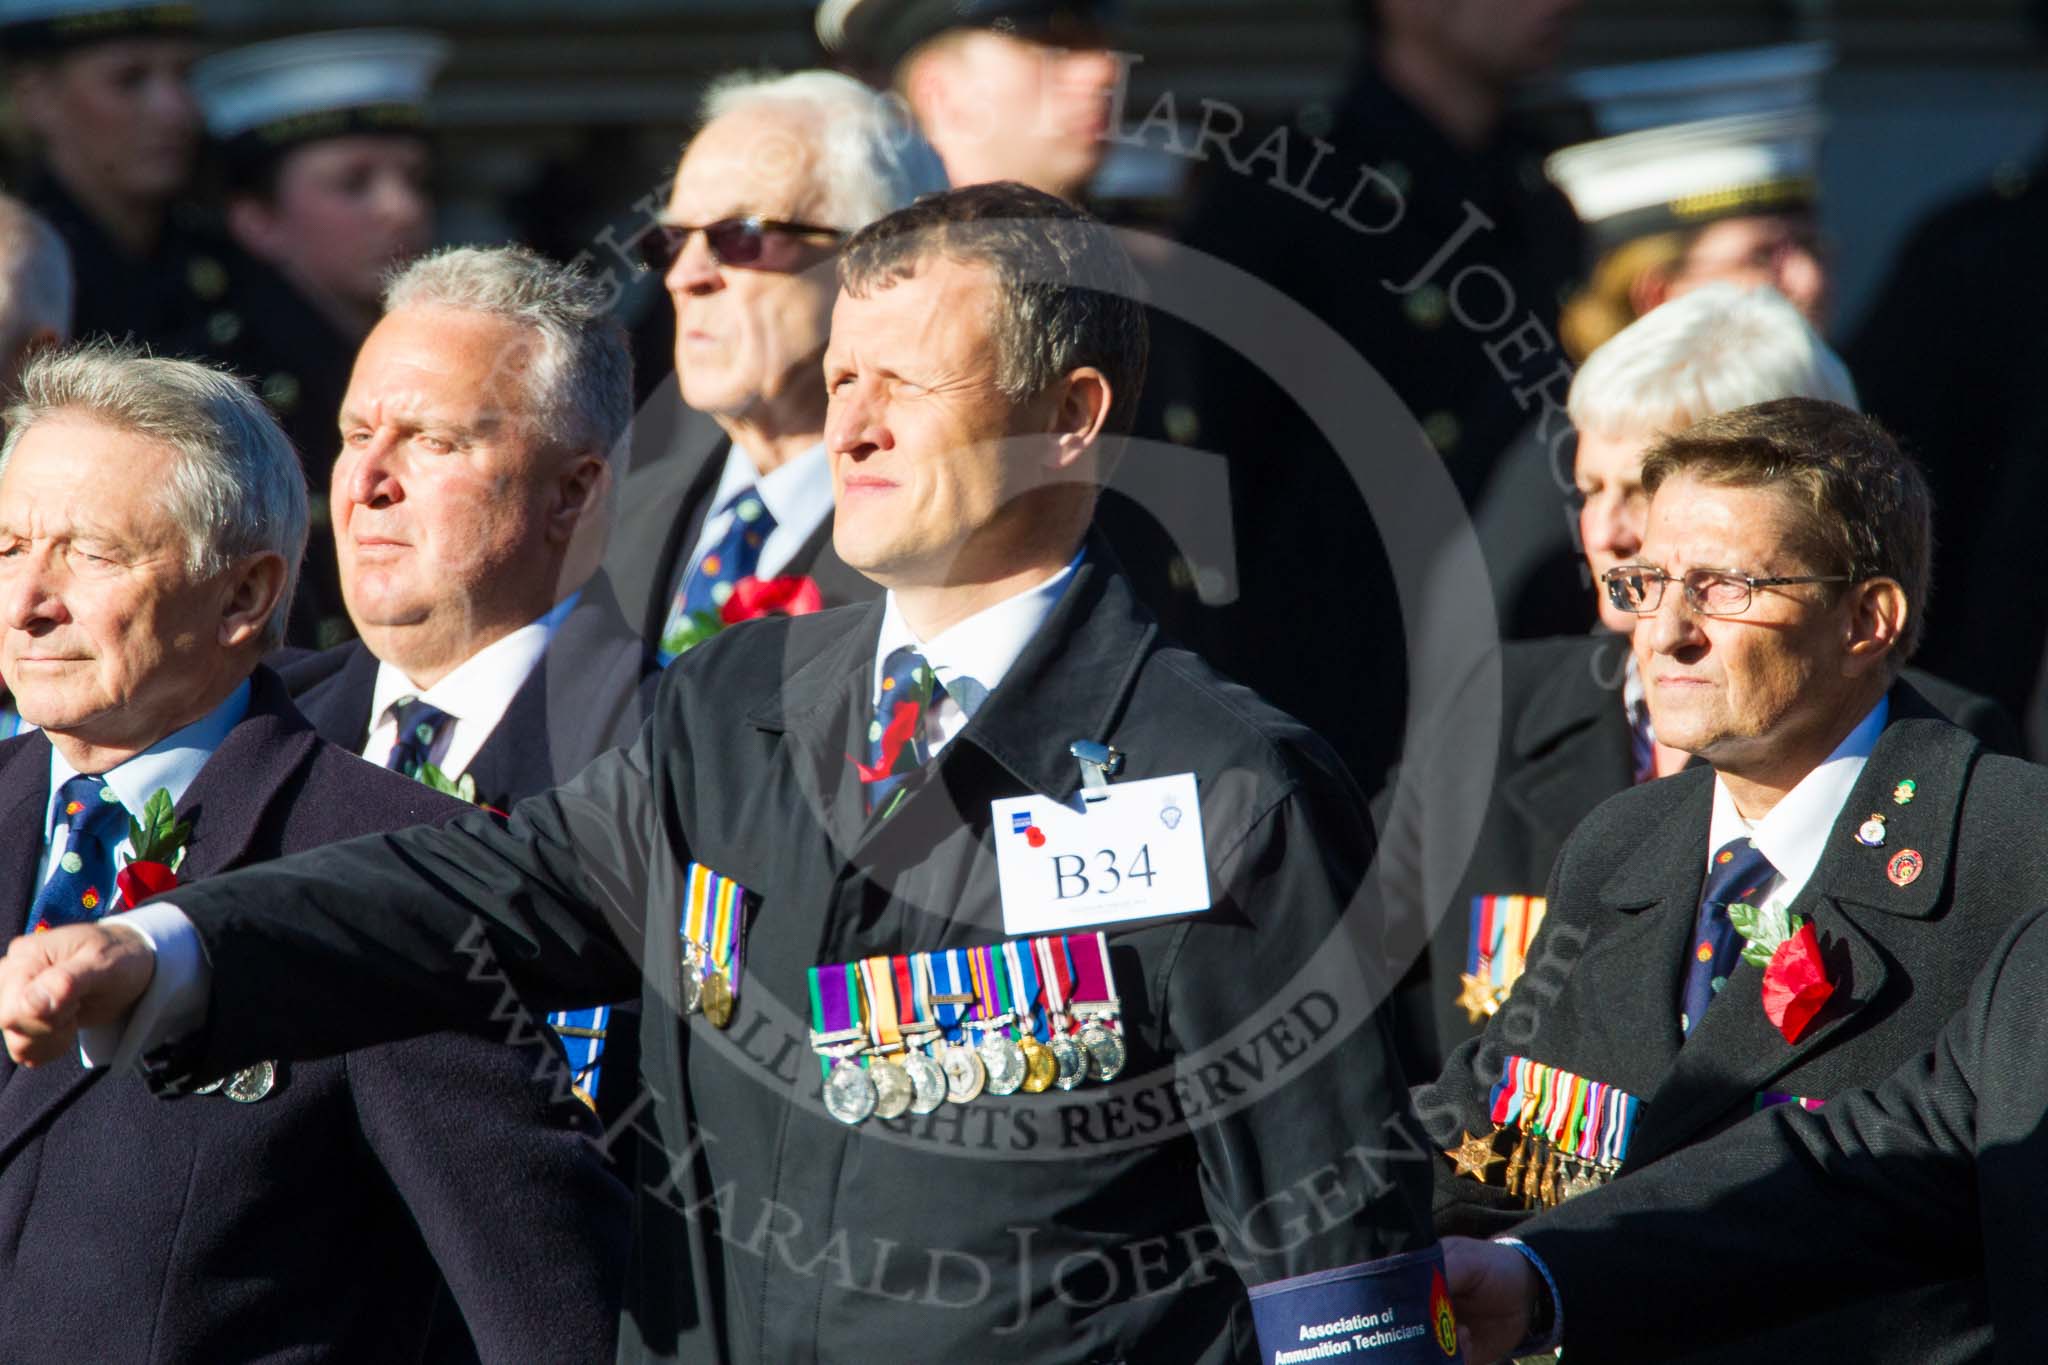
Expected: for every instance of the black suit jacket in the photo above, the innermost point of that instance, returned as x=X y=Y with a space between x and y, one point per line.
x=1601 y=994
x=1564 y=749
x=1287 y=1077
x=1931 y=1177
x=317 y=1224
x=661 y=514
x=590 y=692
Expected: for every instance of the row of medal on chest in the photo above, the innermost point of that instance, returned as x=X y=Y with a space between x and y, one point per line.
x=904 y=1034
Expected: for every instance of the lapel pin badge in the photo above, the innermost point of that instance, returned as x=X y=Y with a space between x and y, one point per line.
x=1904 y=867
x=1902 y=795
x=1871 y=832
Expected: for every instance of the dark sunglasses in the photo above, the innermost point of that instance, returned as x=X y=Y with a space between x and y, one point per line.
x=733 y=241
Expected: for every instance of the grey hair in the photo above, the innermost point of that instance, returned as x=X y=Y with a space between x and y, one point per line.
x=35 y=277
x=1713 y=350
x=580 y=384
x=237 y=488
x=868 y=157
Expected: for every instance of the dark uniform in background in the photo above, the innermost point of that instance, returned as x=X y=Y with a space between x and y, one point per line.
x=1968 y=407
x=264 y=104
x=170 y=299
x=1004 y=1226
x=1601 y=995
x=1307 y=548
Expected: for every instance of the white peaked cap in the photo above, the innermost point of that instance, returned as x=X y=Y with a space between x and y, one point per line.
x=265 y=83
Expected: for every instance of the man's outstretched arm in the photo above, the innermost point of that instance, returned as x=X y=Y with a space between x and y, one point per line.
x=375 y=939
x=1880 y=1187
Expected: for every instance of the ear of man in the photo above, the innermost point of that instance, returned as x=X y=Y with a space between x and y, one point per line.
x=249 y=597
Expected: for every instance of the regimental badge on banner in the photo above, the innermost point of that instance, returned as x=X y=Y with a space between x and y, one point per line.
x=1498 y=949
x=714 y=935
x=1569 y=1134
x=905 y=1034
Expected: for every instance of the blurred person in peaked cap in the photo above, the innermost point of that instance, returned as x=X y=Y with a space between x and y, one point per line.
x=100 y=91
x=1004 y=89
x=1707 y=174
x=326 y=166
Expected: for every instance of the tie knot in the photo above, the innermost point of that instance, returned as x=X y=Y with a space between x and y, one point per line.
x=906 y=675
x=1739 y=873
x=86 y=802
x=749 y=511
x=410 y=714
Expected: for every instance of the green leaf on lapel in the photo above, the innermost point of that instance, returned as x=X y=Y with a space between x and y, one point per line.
x=159 y=836
x=463 y=788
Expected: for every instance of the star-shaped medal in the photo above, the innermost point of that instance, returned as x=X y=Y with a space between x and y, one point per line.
x=1476 y=997
x=1474 y=1155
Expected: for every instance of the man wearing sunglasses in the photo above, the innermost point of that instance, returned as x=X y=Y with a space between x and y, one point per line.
x=782 y=169
x=1792 y=920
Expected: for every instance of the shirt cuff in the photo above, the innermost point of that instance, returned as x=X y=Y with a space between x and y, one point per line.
x=1553 y=1332
x=175 y=1002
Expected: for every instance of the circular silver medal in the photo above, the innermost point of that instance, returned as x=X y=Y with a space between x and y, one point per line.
x=1072 y=1059
x=1005 y=1063
x=251 y=1083
x=965 y=1074
x=689 y=985
x=1105 y=1051
x=849 y=1092
x=928 y=1081
x=893 y=1089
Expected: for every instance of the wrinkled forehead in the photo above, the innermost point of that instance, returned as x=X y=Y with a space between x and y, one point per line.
x=760 y=159
x=1697 y=523
x=937 y=310
x=72 y=472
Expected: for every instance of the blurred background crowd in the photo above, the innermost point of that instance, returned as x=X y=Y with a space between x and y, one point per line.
x=230 y=187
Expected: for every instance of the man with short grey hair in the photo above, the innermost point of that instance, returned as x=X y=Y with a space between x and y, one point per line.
x=468 y=510
x=152 y=517
x=783 y=168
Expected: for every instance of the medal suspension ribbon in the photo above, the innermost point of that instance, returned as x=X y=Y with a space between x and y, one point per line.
x=948 y=986
x=1092 y=982
x=1023 y=962
x=835 y=1005
x=992 y=984
x=1504 y=1103
x=878 y=979
x=1056 y=967
x=729 y=909
x=912 y=995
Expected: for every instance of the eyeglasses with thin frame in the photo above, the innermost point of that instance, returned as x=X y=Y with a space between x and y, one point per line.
x=745 y=241
x=1639 y=588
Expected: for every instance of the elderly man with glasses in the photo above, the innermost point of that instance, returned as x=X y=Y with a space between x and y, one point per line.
x=1794 y=919
x=782 y=169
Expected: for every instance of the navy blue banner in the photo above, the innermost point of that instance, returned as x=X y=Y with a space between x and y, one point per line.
x=1391 y=1312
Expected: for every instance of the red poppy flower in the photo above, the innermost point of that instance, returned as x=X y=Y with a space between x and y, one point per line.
x=757 y=597
x=142 y=879
x=1796 y=984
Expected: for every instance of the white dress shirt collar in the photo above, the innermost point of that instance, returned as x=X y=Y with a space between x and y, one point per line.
x=475 y=695
x=1795 y=833
x=171 y=764
x=980 y=649
x=797 y=494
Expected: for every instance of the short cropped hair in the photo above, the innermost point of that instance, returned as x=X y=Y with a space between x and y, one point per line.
x=35 y=277
x=1717 y=348
x=237 y=488
x=1864 y=503
x=1066 y=292
x=869 y=158
x=580 y=384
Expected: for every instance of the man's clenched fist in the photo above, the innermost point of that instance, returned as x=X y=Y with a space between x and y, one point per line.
x=56 y=982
